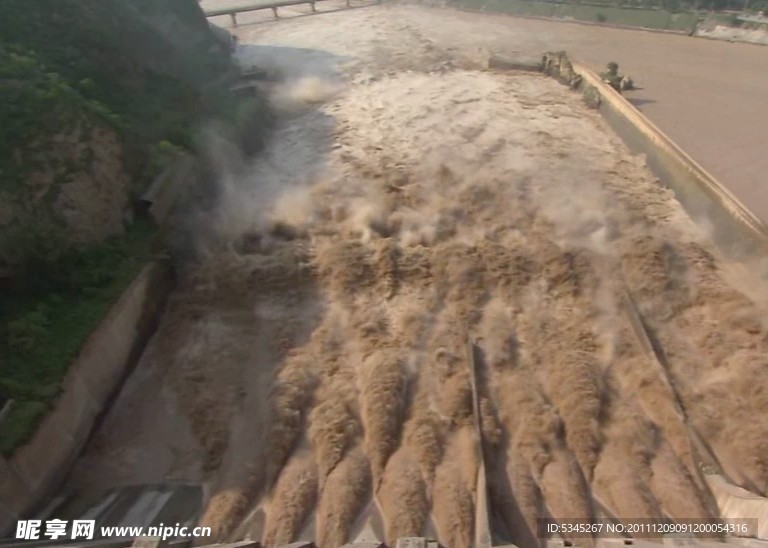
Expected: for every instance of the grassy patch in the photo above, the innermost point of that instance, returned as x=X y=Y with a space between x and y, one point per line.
x=592 y=12
x=650 y=19
x=41 y=332
x=682 y=21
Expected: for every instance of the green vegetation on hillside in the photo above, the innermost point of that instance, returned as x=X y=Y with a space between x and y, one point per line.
x=77 y=52
x=45 y=322
x=36 y=102
x=131 y=79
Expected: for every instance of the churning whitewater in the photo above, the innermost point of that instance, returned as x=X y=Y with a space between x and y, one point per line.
x=312 y=367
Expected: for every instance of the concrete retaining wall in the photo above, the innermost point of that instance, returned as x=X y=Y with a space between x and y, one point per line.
x=736 y=504
x=164 y=191
x=734 y=228
x=38 y=467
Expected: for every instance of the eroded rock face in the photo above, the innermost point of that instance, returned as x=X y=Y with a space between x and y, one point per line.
x=94 y=202
x=66 y=174
x=78 y=191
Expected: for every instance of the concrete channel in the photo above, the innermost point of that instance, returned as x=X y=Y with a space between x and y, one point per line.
x=736 y=230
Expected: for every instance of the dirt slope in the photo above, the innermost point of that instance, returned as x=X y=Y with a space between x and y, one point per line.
x=412 y=200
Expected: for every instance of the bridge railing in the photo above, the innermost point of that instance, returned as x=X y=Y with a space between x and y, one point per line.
x=233 y=11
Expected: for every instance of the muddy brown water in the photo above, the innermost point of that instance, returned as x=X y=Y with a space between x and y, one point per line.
x=707 y=95
x=312 y=363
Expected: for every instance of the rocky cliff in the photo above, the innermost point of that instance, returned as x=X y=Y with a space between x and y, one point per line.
x=95 y=96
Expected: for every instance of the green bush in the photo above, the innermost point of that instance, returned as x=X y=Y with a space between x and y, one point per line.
x=44 y=323
x=26 y=331
x=159 y=157
x=38 y=105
